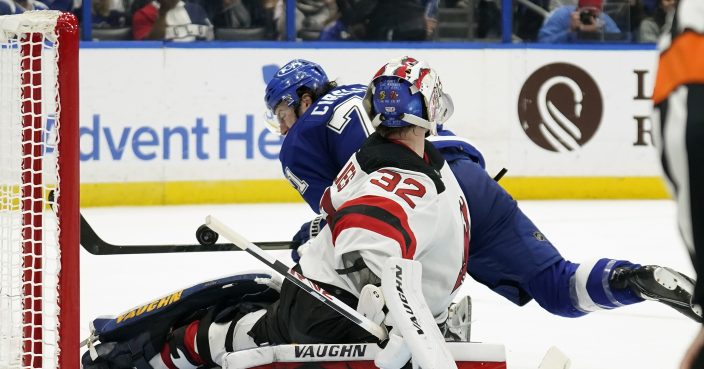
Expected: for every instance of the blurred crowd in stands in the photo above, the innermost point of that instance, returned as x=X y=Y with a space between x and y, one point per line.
x=548 y=21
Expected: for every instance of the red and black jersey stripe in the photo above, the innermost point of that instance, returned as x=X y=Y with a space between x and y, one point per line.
x=379 y=215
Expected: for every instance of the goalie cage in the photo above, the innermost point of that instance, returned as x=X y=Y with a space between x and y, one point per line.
x=39 y=283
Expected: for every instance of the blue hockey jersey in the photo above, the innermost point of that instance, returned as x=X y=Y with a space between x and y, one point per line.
x=323 y=139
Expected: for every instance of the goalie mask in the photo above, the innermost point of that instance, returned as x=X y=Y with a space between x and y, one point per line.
x=284 y=87
x=417 y=98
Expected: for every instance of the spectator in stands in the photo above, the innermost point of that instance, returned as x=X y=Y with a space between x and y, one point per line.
x=628 y=15
x=106 y=16
x=29 y=5
x=254 y=15
x=390 y=20
x=350 y=22
x=458 y=3
x=488 y=15
x=137 y=4
x=636 y=12
x=171 y=20
x=311 y=17
x=317 y=13
x=402 y=20
x=528 y=20
x=63 y=5
x=570 y=23
x=652 y=27
x=8 y=7
x=242 y=14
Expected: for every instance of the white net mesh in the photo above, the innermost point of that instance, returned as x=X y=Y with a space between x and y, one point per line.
x=29 y=253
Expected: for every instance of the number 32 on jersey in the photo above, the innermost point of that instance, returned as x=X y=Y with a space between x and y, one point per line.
x=394 y=182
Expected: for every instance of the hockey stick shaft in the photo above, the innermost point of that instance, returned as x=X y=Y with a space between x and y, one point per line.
x=296 y=278
x=97 y=246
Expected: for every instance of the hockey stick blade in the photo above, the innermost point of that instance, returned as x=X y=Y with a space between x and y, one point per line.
x=296 y=278
x=97 y=246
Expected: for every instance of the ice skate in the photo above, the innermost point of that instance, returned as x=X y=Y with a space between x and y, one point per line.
x=662 y=284
x=459 y=319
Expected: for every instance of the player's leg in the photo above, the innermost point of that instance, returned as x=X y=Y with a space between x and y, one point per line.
x=205 y=341
x=695 y=163
x=185 y=329
x=679 y=134
x=510 y=255
x=666 y=285
x=299 y=317
x=572 y=290
x=295 y=317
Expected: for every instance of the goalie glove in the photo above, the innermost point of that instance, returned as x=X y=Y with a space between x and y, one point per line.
x=394 y=355
x=413 y=323
x=133 y=353
x=371 y=303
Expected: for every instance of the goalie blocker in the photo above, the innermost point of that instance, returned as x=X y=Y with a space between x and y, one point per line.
x=137 y=337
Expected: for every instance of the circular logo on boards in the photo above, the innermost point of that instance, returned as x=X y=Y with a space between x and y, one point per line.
x=560 y=107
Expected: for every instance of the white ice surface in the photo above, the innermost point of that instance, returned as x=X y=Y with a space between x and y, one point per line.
x=648 y=335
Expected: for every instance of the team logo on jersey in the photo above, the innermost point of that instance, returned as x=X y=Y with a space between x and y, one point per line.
x=345 y=176
x=560 y=107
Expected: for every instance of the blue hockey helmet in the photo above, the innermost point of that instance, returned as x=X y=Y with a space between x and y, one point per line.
x=422 y=88
x=294 y=75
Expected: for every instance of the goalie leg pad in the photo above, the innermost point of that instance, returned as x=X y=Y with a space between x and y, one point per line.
x=232 y=336
x=179 y=307
x=204 y=343
x=137 y=337
x=410 y=316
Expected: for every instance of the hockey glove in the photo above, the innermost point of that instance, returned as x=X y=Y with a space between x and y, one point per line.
x=395 y=354
x=307 y=232
x=121 y=355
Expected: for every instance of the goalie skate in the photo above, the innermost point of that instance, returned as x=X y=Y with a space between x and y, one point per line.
x=662 y=284
x=459 y=320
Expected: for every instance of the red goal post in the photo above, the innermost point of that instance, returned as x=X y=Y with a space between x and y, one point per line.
x=39 y=156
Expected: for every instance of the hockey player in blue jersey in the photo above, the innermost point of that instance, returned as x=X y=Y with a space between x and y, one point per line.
x=324 y=124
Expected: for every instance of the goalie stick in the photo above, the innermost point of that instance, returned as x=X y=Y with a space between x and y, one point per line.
x=97 y=246
x=296 y=278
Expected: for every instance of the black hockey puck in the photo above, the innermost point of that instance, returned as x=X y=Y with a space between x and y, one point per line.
x=206 y=236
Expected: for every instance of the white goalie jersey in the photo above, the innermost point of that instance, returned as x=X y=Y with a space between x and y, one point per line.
x=389 y=202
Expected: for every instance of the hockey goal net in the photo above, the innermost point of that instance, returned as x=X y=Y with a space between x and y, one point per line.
x=39 y=231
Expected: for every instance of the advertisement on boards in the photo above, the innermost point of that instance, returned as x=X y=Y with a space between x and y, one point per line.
x=196 y=116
